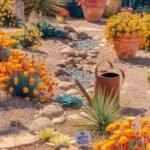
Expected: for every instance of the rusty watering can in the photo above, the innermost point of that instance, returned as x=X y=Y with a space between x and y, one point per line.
x=105 y=80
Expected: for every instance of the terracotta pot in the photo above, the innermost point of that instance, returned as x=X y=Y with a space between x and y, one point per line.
x=126 y=9
x=126 y=46
x=94 y=13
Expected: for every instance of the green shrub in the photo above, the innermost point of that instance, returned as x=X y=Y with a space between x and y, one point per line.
x=46 y=29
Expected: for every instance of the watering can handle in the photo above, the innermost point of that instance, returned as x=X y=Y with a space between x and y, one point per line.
x=110 y=64
x=123 y=76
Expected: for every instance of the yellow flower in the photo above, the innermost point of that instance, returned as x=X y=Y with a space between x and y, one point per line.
x=16 y=81
x=41 y=85
x=35 y=92
x=25 y=90
x=130 y=119
x=144 y=122
x=11 y=89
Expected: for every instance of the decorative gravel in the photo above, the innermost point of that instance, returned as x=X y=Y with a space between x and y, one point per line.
x=85 y=77
x=85 y=45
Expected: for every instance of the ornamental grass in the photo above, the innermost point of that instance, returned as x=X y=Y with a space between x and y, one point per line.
x=25 y=77
x=122 y=23
x=126 y=136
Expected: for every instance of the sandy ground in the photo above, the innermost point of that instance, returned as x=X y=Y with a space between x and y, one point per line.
x=135 y=93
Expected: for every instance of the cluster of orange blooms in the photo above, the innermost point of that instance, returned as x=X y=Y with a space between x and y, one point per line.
x=124 y=136
x=5 y=41
x=26 y=77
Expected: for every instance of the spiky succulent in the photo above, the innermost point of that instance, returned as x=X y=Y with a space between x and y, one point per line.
x=46 y=134
x=61 y=139
x=103 y=111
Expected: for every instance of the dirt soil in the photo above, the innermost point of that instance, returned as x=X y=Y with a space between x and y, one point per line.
x=135 y=93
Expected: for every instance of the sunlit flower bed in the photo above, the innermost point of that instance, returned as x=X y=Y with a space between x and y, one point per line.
x=25 y=77
x=28 y=37
x=125 y=135
x=5 y=44
x=122 y=23
x=145 y=25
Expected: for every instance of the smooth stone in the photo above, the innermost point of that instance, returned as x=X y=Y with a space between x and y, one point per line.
x=82 y=54
x=73 y=36
x=40 y=123
x=73 y=91
x=82 y=35
x=69 y=29
x=58 y=120
x=63 y=78
x=66 y=85
x=68 y=51
x=70 y=61
x=51 y=111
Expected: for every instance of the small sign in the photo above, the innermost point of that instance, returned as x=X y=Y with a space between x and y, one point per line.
x=83 y=138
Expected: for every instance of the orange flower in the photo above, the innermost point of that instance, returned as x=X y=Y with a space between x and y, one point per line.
x=124 y=125
x=123 y=141
x=130 y=133
x=25 y=90
x=137 y=147
x=144 y=122
x=148 y=146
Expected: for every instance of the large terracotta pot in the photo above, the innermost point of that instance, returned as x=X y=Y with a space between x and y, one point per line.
x=112 y=7
x=94 y=13
x=126 y=46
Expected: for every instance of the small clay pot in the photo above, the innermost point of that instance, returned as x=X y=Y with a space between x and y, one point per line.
x=126 y=46
x=94 y=13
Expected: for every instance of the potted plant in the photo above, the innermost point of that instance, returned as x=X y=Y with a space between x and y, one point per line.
x=127 y=6
x=62 y=15
x=92 y=9
x=124 y=32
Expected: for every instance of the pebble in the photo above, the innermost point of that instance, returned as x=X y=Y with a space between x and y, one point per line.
x=58 y=120
x=85 y=45
x=65 y=86
x=85 y=77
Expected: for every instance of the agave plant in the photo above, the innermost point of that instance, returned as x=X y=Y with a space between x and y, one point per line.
x=61 y=139
x=46 y=133
x=45 y=6
x=103 y=111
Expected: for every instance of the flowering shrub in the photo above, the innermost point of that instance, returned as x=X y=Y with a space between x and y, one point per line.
x=126 y=137
x=145 y=25
x=25 y=77
x=122 y=23
x=5 y=43
x=7 y=18
x=28 y=37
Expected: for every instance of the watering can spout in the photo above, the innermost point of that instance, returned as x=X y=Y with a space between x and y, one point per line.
x=83 y=91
